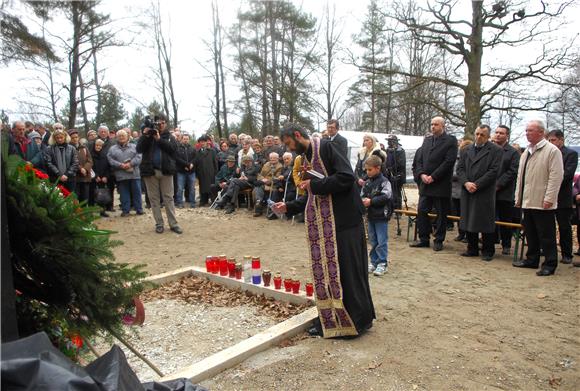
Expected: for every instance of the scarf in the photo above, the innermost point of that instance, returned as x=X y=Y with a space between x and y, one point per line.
x=320 y=227
x=61 y=158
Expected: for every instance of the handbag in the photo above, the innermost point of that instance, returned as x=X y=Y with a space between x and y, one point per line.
x=103 y=196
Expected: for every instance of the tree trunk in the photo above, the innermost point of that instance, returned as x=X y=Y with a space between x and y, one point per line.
x=221 y=73
x=274 y=66
x=245 y=87
x=97 y=82
x=216 y=69
x=83 y=103
x=472 y=98
x=74 y=63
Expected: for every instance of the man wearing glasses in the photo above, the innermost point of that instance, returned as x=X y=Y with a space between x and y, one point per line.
x=158 y=167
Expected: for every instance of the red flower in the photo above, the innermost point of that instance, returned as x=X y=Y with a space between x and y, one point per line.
x=77 y=340
x=65 y=192
x=28 y=168
x=40 y=174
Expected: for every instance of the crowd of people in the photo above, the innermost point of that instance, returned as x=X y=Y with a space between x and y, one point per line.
x=482 y=181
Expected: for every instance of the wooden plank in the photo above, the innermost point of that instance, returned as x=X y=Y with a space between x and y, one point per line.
x=413 y=213
x=234 y=355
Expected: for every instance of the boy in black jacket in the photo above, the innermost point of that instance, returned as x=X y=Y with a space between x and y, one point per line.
x=377 y=198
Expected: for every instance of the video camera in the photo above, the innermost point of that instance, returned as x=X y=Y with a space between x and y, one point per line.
x=152 y=124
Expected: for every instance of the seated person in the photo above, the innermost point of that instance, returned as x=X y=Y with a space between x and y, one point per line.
x=260 y=157
x=270 y=178
x=248 y=180
x=223 y=177
x=288 y=189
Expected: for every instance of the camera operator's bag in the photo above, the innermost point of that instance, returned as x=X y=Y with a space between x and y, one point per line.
x=103 y=196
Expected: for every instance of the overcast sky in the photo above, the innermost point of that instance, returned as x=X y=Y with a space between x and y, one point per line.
x=188 y=23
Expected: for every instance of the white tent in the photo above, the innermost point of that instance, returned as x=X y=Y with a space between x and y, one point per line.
x=409 y=143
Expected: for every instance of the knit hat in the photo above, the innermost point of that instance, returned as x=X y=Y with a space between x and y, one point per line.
x=246 y=158
x=34 y=134
x=230 y=158
x=72 y=131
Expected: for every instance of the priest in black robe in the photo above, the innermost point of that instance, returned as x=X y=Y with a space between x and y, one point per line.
x=334 y=232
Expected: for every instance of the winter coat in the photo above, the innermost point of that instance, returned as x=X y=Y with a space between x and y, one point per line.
x=225 y=174
x=378 y=190
x=251 y=174
x=222 y=157
x=543 y=176
x=118 y=155
x=70 y=157
x=570 y=162
x=481 y=168
x=396 y=163
x=101 y=165
x=508 y=172
x=206 y=168
x=33 y=153
x=86 y=162
x=166 y=144
x=360 y=171
x=185 y=155
x=436 y=159
x=241 y=154
x=269 y=171
x=342 y=144
x=575 y=192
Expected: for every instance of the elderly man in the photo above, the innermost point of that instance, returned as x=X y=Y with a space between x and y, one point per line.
x=539 y=177
x=505 y=185
x=21 y=145
x=477 y=171
x=332 y=127
x=248 y=179
x=434 y=172
x=564 y=210
x=270 y=176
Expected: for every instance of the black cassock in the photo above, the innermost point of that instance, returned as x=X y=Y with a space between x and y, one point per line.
x=206 y=168
x=350 y=234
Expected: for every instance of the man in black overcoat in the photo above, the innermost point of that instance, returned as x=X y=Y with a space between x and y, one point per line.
x=206 y=168
x=332 y=127
x=434 y=169
x=564 y=210
x=477 y=171
x=505 y=185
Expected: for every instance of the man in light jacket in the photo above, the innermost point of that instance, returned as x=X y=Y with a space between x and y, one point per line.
x=539 y=177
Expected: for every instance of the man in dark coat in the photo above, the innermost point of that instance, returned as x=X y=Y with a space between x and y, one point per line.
x=505 y=185
x=434 y=169
x=564 y=209
x=206 y=169
x=185 y=158
x=396 y=165
x=336 y=235
x=158 y=167
x=477 y=171
x=332 y=127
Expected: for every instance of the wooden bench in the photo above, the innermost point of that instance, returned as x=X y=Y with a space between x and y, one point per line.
x=518 y=229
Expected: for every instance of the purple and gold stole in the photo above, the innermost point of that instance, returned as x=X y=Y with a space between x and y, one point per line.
x=335 y=320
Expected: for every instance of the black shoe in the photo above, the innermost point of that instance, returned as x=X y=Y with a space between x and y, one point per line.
x=544 y=272
x=468 y=254
x=258 y=211
x=486 y=257
x=124 y=214
x=177 y=230
x=567 y=260
x=437 y=246
x=419 y=244
x=505 y=251
x=140 y=212
x=104 y=214
x=459 y=238
x=230 y=208
x=159 y=229
x=525 y=264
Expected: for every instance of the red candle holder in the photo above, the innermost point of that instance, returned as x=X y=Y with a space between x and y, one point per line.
x=277 y=282
x=215 y=268
x=232 y=268
x=295 y=286
x=288 y=284
x=223 y=265
x=266 y=277
x=208 y=264
x=309 y=289
x=239 y=270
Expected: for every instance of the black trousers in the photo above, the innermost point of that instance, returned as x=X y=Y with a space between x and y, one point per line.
x=540 y=231
x=564 y=219
x=505 y=213
x=83 y=191
x=426 y=204
x=236 y=185
x=488 y=245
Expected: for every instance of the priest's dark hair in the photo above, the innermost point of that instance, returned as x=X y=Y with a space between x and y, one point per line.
x=289 y=129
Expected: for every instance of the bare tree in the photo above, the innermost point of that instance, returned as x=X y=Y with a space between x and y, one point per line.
x=467 y=41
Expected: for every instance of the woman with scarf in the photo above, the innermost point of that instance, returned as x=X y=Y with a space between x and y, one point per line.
x=62 y=162
x=370 y=147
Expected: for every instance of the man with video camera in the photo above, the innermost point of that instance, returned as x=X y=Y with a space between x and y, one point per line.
x=158 y=167
x=396 y=168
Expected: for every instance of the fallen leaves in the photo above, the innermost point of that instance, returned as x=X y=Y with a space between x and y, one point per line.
x=200 y=290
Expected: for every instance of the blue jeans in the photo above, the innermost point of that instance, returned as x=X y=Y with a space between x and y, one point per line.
x=128 y=188
x=378 y=237
x=183 y=180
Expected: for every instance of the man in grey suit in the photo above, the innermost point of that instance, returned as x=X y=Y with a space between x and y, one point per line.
x=332 y=127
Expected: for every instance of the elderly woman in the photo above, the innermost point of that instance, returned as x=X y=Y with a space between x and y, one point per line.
x=124 y=161
x=369 y=147
x=102 y=172
x=83 y=179
x=61 y=158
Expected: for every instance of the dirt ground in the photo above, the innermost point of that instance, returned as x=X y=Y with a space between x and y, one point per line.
x=443 y=322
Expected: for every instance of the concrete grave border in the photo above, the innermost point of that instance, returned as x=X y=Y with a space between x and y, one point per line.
x=232 y=356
